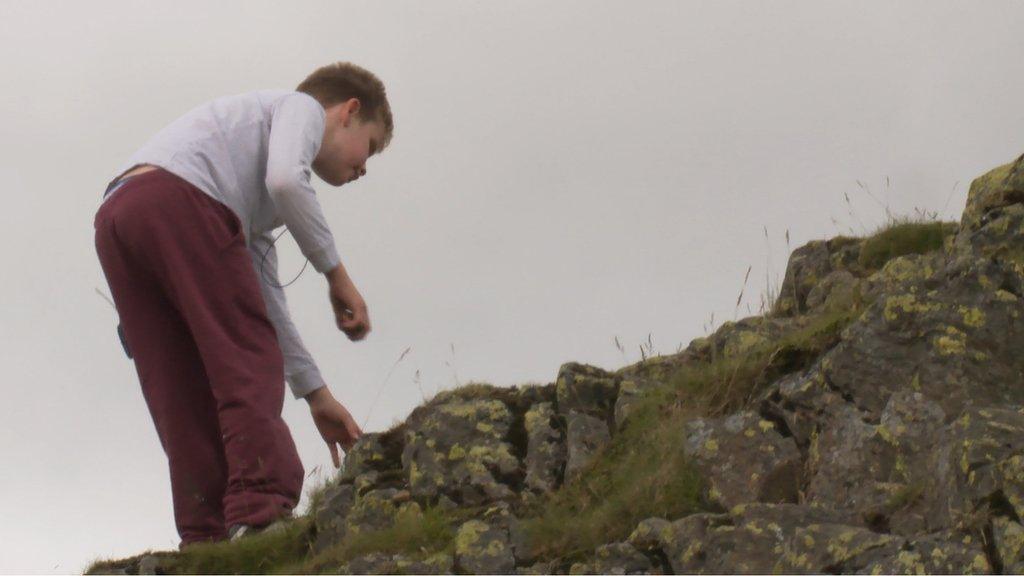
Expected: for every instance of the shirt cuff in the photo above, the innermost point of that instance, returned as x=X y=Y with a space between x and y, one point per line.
x=324 y=259
x=305 y=382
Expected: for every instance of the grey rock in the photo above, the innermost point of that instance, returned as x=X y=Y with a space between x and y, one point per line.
x=649 y=534
x=836 y=288
x=807 y=266
x=587 y=390
x=585 y=436
x=620 y=558
x=538 y=568
x=148 y=564
x=948 y=552
x=373 y=452
x=744 y=459
x=546 y=452
x=481 y=548
x=329 y=518
x=461 y=449
x=1008 y=537
x=631 y=390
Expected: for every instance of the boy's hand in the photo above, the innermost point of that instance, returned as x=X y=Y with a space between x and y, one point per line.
x=350 y=313
x=334 y=422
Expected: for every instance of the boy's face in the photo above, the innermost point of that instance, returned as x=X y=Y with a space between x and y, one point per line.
x=347 y=143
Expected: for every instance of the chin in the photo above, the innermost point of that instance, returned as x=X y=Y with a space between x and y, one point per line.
x=335 y=181
x=331 y=179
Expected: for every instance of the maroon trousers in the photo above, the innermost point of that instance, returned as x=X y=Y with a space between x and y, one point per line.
x=207 y=356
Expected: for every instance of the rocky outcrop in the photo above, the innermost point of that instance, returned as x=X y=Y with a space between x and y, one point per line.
x=898 y=449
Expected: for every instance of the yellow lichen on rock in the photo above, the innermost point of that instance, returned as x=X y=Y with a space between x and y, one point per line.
x=906 y=303
x=1005 y=296
x=469 y=534
x=954 y=342
x=973 y=317
x=457 y=452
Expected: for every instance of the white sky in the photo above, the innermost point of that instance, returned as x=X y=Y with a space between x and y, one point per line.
x=562 y=174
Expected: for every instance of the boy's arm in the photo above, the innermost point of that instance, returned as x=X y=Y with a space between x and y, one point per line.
x=300 y=371
x=296 y=132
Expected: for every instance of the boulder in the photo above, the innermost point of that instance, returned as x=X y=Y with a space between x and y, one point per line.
x=744 y=459
x=587 y=390
x=620 y=558
x=461 y=449
x=585 y=436
x=545 y=452
x=481 y=548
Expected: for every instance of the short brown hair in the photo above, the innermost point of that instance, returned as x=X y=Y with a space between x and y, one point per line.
x=340 y=81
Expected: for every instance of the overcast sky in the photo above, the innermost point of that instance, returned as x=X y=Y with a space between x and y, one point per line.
x=562 y=174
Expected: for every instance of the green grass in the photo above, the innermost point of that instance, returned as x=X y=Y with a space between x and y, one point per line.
x=904 y=236
x=729 y=383
x=414 y=534
x=257 y=554
x=643 y=471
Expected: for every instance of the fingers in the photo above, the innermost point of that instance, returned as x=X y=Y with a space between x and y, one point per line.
x=353 y=430
x=334 y=454
x=355 y=326
x=355 y=329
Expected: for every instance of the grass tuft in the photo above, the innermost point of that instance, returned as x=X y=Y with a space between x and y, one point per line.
x=415 y=534
x=903 y=237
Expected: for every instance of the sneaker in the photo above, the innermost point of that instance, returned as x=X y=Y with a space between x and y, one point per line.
x=239 y=531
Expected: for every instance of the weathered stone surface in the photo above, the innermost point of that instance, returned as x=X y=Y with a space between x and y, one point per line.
x=546 y=451
x=836 y=288
x=439 y=563
x=876 y=473
x=631 y=390
x=586 y=390
x=734 y=339
x=940 y=553
x=806 y=267
x=744 y=459
x=149 y=564
x=585 y=436
x=329 y=517
x=648 y=534
x=481 y=548
x=833 y=549
x=803 y=402
x=460 y=449
x=382 y=563
x=991 y=196
x=684 y=541
x=538 y=568
x=373 y=452
x=660 y=368
x=1008 y=539
x=378 y=509
x=373 y=563
x=620 y=558
x=978 y=463
x=579 y=568
x=839 y=549
x=953 y=336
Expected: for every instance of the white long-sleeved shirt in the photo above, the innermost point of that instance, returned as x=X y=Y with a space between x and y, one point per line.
x=253 y=152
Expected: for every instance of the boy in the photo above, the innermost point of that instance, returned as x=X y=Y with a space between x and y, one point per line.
x=184 y=238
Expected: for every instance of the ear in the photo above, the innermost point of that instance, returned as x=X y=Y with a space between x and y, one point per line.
x=349 y=109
